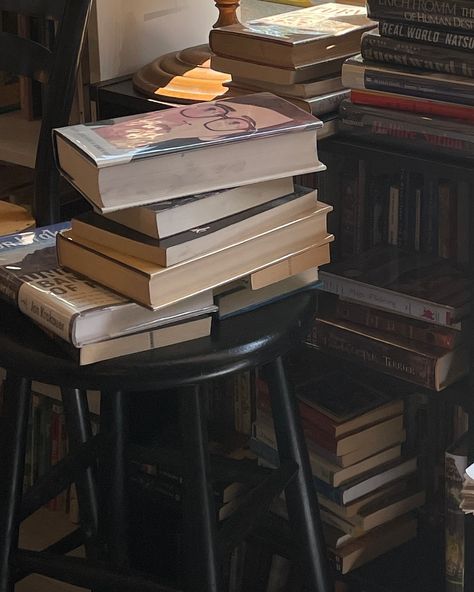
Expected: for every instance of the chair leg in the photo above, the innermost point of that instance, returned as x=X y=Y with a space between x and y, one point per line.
x=303 y=509
x=113 y=515
x=17 y=397
x=201 y=565
x=79 y=430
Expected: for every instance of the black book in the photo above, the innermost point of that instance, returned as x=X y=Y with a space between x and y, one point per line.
x=427 y=35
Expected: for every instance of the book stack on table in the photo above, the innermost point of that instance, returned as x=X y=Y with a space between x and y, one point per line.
x=401 y=313
x=413 y=82
x=297 y=55
x=366 y=484
x=156 y=251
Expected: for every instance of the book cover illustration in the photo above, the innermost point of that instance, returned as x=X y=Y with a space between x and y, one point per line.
x=300 y=26
x=118 y=141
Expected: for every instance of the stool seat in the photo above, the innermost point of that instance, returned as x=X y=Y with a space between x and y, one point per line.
x=243 y=341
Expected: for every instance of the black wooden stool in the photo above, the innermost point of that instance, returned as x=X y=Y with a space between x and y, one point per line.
x=258 y=338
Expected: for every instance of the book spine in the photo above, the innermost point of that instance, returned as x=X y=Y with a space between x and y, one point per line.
x=403 y=211
x=430 y=36
x=412 y=105
x=447 y=229
x=388 y=300
x=388 y=358
x=419 y=86
x=415 y=55
x=394 y=325
x=450 y=14
x=376 y=125
x=455 y=465
x=429 y=219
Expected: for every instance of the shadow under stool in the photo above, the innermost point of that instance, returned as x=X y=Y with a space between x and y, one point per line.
x=98 y=463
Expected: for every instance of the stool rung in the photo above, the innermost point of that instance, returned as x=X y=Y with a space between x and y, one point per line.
x=68 y=543
x=60 y=476
x=85 y=573
x=254 y=503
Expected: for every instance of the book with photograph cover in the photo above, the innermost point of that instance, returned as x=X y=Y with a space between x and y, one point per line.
x=156 y=156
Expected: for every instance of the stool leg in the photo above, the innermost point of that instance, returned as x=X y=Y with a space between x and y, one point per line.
x=302 y=503
x=202 y=571
x=79 y=430
x=112 y=477
x=12 y=467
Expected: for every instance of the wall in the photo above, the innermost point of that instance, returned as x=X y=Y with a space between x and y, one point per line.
x=126 y=34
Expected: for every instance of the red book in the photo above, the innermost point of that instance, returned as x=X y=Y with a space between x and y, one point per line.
x=412 y=104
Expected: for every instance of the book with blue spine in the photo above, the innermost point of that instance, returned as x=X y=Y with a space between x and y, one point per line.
x=73 y=307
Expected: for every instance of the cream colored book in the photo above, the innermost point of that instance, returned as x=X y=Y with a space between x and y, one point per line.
x=155 y=286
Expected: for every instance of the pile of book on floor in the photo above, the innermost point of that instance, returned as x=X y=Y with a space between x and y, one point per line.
x=413 y=82
x=398 y=312
x=297 y=55
x=157 y=241
x=366 y=484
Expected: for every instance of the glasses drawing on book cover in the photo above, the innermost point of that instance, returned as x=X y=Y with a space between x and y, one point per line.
x=191 y=125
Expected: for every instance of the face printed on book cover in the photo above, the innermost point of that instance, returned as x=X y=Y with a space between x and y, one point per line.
x=202 y=121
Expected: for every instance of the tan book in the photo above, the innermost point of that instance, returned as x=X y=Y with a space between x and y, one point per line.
x=315 y=256
x=140 y=342
x=275 y=75
x=350 y=512
x=197 y=241
x=157 y=156
x=155 y=286
x=311 y=88
x=173 y=216
x=373 y=544
x=295 y=38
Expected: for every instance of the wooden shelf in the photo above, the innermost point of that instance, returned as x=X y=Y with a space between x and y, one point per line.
x=18 y=139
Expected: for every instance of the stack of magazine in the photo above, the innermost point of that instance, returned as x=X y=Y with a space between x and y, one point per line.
x=193 y=205
x=297 y=55
x=413 y=82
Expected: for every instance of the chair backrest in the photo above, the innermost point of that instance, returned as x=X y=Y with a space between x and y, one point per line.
x=57 y=69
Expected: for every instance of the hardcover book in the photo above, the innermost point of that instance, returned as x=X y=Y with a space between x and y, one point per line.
x=437 y=135
x=359 y=74
x=155 y=286
x=428 y=366
x=73 y=307
x=276 y=75
x=295 y=38
x=448 y=14
x=197 y=241
x=411 y=284
x=428 y=35
x=170 y=217
x=156 y=156
x=377 y=48
x=303 y=90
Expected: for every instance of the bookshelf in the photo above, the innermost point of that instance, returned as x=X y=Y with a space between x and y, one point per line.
x=427 y=551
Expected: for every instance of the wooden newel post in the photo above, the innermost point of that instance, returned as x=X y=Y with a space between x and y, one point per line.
x=227 y=12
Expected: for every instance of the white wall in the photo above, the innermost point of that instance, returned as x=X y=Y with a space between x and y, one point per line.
x=127 y=34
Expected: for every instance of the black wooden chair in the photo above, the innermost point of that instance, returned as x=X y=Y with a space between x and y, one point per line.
x=57 y=70
x=258 y=338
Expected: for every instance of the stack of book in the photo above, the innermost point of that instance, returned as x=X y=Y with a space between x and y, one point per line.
x=297 y=55
x=365 y=484
x=162 y=245
x=412 y=84
x=401 y=313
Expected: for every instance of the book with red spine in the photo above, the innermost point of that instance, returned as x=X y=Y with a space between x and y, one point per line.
x=418 y=105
